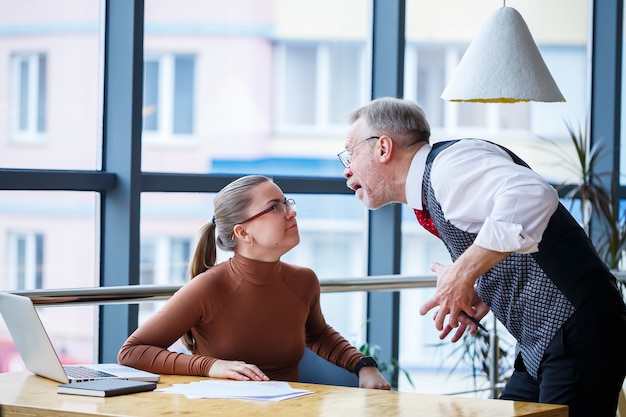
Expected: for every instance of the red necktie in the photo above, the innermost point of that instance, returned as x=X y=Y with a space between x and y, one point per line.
x=423 y=217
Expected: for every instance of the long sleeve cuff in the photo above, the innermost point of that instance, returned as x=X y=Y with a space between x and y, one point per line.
x=505 y=237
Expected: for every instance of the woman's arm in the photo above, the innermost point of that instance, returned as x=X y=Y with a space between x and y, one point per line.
x=147 y=347
x=326 y=342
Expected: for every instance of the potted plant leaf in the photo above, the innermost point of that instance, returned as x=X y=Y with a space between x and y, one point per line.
x=597 y=192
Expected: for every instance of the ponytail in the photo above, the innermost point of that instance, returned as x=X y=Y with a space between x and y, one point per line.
x=206 y=252
x=203 y=258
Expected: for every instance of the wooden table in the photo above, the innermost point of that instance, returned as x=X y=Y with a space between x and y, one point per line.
x=24 y=394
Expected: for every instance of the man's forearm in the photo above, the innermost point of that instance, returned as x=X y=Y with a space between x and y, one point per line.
x=475 y=261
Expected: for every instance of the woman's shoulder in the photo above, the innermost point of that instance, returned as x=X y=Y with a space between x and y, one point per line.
x=301 y=277
x=305 y=271
x=212 y=279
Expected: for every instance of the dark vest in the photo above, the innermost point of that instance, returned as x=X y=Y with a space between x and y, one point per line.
x=531 y=294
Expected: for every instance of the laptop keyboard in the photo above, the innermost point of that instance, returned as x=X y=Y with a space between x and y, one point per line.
x=84 y=372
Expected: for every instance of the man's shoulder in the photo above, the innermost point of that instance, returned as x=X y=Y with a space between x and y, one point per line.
x=464 y=145
x=438 y=147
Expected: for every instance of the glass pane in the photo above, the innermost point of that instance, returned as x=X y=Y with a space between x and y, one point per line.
x=300 y=69
x=471 y=115
x=42 y=93
x=150 y=95
x=434 y=32
x=184 y=73
x=50 y=88
x=430 y=81
x=49 y=240
x=71 y=331
x=332 y=243
x=346 y=78
x=252 y=85
x=22 y=98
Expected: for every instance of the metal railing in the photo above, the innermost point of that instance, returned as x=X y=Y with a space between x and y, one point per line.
x=146 y=293
x=142 y=293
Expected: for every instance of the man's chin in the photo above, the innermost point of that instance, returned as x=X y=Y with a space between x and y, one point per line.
x=363 y=198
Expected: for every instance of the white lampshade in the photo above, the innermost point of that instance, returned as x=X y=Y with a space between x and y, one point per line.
x=503 y=65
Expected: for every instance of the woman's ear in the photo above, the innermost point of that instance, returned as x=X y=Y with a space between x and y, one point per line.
x=241 y=233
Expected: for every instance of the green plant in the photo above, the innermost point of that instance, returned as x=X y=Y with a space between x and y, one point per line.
x=475 y=352
x=588 y=183
x=597 y=191
x=390 y=368
x=611 y=245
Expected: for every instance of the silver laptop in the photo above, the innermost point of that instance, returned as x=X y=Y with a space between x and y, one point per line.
x=38 y=353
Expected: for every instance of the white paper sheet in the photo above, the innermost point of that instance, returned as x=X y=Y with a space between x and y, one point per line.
x=250 y=390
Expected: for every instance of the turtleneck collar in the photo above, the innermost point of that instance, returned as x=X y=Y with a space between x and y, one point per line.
x=256 y=272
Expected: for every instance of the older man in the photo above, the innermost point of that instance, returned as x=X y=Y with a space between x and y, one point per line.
x=515 y=250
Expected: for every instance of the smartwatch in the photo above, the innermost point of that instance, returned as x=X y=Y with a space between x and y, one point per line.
x=364 y=361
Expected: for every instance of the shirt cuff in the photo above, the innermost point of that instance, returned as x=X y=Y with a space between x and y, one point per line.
x=505 y=237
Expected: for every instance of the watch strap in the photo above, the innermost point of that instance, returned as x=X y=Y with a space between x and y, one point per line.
x=364 y=361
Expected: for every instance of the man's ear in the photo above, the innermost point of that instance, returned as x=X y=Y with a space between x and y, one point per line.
x=385 y=148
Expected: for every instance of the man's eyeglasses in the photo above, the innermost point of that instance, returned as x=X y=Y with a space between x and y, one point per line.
x=344 y=156
x=277 y=207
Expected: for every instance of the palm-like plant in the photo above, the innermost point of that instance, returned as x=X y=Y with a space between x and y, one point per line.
x=476 y=352
x=611 y=245
x=390 y=368
x=588 y=186
x=592 y=191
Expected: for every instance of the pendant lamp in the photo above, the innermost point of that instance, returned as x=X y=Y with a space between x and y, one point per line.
x=503 y=65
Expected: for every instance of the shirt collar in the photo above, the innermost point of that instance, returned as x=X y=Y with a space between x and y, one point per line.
x=415 y=177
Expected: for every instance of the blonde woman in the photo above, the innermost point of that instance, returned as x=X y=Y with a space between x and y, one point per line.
x=248 y=318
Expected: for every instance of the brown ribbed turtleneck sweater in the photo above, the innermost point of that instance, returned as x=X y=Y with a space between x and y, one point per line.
x=263 y=313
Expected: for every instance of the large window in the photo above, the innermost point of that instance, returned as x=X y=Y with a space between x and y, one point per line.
x=51 y=85
x=224 y=89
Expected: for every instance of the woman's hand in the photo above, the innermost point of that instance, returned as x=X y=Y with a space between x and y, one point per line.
x=238 y=370
x=369 y=377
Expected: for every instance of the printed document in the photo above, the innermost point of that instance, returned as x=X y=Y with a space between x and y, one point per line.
x=249 y=390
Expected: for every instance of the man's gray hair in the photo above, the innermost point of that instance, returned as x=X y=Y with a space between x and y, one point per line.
x=401 y=119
